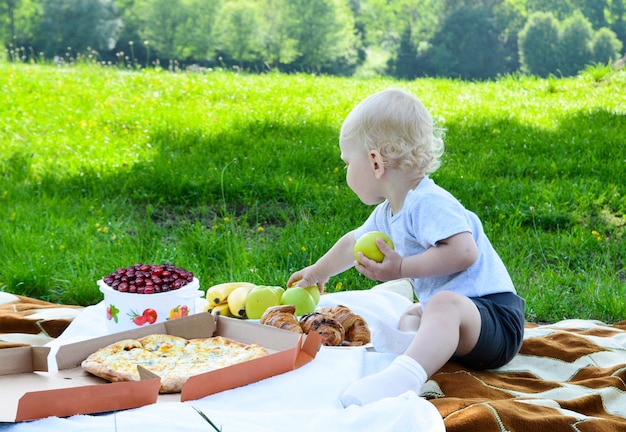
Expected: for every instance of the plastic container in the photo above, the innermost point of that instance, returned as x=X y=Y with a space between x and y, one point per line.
x=127 y=311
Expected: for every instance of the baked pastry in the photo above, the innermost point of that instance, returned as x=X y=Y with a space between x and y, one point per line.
x=338 y=325
x=283 y=317
x=356 y=329
x=333 y=333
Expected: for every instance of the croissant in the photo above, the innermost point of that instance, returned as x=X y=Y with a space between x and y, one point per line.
x=356 y=329
x=359 y=333
x=332 y=332
x=283 y=317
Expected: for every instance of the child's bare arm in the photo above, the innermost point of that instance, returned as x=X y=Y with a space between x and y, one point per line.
x=451 y=255
x=339 y=258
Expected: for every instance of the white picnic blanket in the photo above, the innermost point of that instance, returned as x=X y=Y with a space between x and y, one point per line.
x=306 y=399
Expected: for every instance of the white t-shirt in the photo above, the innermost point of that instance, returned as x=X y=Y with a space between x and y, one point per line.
x=431 y=214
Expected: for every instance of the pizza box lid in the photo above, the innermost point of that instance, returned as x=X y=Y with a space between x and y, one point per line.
x=30 y=391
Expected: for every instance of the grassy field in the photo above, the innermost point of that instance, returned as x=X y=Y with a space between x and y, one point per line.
x=238 y=177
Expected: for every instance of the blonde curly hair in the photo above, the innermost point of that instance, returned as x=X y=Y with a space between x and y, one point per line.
x=396 y=124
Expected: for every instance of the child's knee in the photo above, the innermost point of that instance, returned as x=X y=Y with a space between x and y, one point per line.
x=414 y=310
x=411 y=318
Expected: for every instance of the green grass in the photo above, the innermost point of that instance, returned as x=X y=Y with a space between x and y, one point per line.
x=238 y=177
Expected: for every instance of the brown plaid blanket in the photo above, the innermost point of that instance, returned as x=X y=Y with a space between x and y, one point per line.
x=25 y=321
x=569 y=376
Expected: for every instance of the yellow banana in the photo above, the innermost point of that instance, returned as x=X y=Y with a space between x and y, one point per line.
x=219 y=293
x=220 y=309
x=237 y=300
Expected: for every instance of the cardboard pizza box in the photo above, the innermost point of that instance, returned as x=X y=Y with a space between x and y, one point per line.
x=30 y=391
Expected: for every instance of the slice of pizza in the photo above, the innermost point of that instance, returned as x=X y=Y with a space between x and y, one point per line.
x=118 y=362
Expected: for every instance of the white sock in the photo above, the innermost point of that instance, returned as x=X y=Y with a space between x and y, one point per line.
x=402 y=375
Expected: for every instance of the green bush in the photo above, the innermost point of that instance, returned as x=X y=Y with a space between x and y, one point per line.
x=538 y=44
x=549 y=47
x=606 y=46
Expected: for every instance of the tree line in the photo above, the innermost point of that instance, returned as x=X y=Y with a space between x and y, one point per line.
x=467 y=39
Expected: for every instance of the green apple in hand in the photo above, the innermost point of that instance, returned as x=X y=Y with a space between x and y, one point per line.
x=300 y=298
x=366 y=244
x=259 y=299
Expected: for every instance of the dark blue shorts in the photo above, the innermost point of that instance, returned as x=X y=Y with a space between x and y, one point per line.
x=501 y=332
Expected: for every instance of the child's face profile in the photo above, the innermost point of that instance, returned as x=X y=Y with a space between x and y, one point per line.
x=359 y=171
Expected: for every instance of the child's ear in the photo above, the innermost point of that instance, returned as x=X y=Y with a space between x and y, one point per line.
x=378 y=163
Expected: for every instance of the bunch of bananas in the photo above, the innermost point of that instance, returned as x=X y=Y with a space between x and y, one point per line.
x=228 y=299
